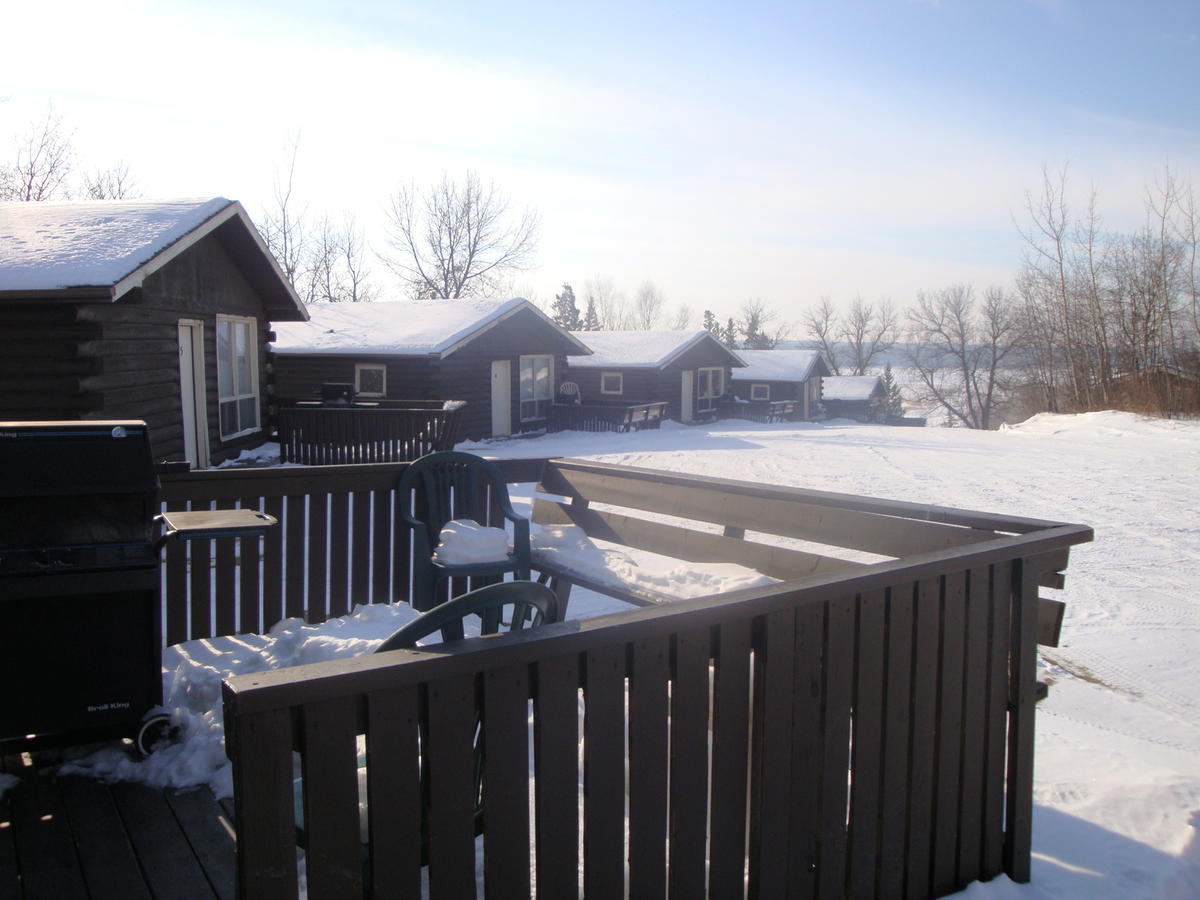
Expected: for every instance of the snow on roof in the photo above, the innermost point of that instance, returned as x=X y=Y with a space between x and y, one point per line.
x=777 y=365
x=394 y=327
x=634 y=349
x=850 y=387
x=52 y=246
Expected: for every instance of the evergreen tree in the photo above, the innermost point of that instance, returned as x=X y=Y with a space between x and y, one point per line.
x=729 y=336
x=893 y=405
x=591 y=321
x=711 y=324
x=566 y=313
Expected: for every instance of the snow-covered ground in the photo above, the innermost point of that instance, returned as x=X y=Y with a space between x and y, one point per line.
x=1117 y=782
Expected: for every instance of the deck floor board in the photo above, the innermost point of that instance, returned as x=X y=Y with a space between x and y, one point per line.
x=69 y=836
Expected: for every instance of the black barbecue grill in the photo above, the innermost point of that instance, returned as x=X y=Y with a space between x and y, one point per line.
x=80 y=612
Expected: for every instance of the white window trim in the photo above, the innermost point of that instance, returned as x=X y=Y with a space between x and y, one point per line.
x=719 y=378
x=620 y=376
x=549 y=398
x=358 y=369
x=766 y=392
x=239 y=394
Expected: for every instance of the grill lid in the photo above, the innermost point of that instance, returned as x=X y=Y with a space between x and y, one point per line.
x=47 y=459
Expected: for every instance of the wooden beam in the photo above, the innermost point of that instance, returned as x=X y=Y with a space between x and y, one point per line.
x=688 y=544
x=1050 y=620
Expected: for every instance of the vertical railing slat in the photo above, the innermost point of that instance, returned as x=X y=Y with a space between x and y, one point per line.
x=648 y=769
x=1018 y=818
x=867 y=747
x=806 y=741
x=604 y=773
x=947 y=792
x=505 y=783
x=450 y=756
x=730 y=737
x=837 y=698
x=556 y=737
x=689 y=764
x=927 y=631
x=333 y=854
x=261 y=750
x=772 y=763
x=974 y=726
x=394 y=792
x=897 y=723
x=999 y=639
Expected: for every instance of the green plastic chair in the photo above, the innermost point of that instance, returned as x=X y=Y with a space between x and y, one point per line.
x=450 y=485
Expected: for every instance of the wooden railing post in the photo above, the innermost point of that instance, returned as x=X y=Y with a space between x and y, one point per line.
x=1018 y=818
x=260 y=747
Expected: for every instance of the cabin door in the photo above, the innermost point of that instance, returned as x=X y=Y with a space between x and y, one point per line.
x=687 y=385
x=192 y=393
x=501 y=397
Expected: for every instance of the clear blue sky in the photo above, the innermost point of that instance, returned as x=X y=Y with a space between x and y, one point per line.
x=725 y=151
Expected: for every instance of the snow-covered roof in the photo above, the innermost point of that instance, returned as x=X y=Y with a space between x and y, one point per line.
x=639 y=349
x=108 y=247
x=780 y=365
x=850 y=387
x=398 y=327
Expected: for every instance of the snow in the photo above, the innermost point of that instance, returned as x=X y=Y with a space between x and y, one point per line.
x=466 y=542
x=633 y=349
x=1117 y=774
x=394 y=327
x=49 y=246
x=776 y=365
x=849 y=387
x=646 y=575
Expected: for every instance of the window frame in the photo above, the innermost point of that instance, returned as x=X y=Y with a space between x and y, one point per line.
x=541 y=405
x=620 y=376
x=237 y=393
x=358 y=369
x=766 y=392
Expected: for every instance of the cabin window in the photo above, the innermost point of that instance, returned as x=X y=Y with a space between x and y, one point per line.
x=237 y=375
x=612 y=383
x=760 y=392
x=710 y=384
x=370 y=380
x=537 y=386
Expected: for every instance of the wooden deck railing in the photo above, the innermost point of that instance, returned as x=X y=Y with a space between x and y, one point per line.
x=863 y=730
x=336 y=545
x=363 y=433
x=606 y=417
x=758 y=410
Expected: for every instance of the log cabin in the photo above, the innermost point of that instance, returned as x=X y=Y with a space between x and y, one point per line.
x=504 y=358
x=152 y=310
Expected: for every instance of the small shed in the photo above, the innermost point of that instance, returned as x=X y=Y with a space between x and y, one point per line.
x=774 y=375
x=154 y=310
x=858 y=397
x=504 y=357
x=688 y=369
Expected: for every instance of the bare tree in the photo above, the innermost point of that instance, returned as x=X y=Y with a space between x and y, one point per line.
x=868 y=330
x=457 y=239
x=648 y=303
x=283 y=223
x=960 y=349
x=44 y=160
x=681 y=319
x=821 y=323
x=113 y=183
x=612 y=312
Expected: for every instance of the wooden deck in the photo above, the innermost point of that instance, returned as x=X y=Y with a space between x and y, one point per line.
x=67 y=837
